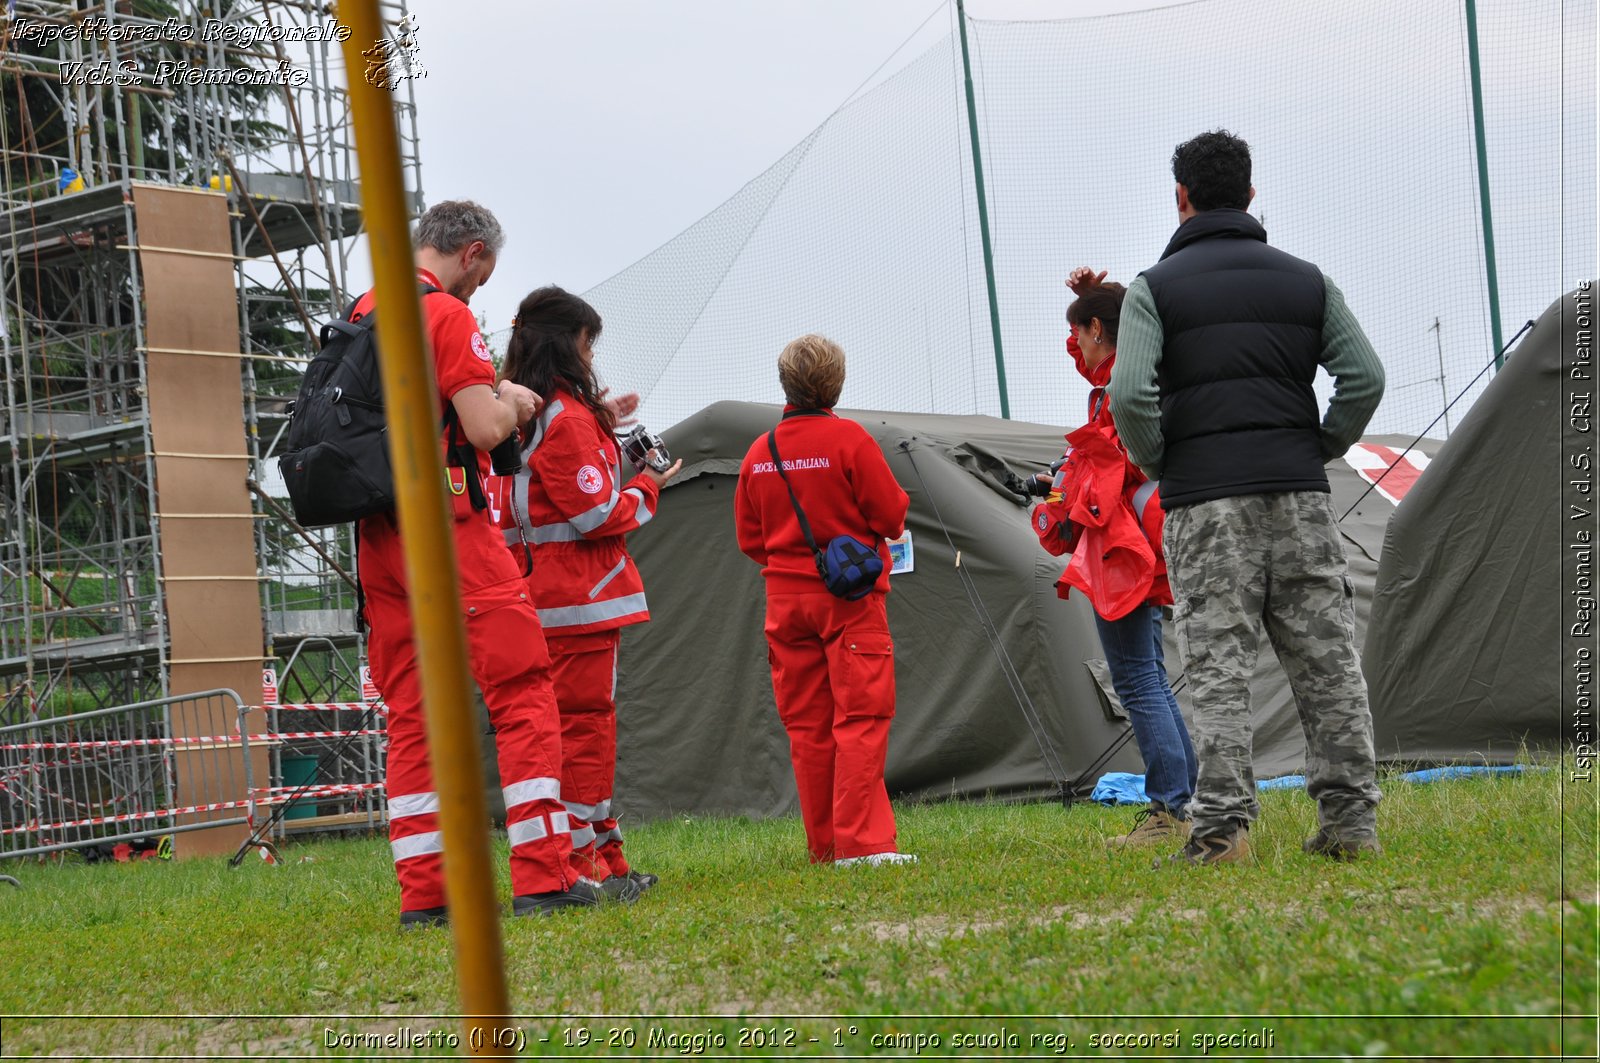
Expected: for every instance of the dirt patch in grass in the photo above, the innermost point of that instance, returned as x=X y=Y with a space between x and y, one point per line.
x=927 y=929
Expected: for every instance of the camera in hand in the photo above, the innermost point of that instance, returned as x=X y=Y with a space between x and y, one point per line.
x=645 y=449
x=506 y=458
x=1039 y=487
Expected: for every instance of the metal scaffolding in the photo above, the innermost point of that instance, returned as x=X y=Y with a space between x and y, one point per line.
x=82 y=618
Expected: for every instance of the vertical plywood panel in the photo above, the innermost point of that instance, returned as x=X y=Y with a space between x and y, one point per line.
x=197 y=427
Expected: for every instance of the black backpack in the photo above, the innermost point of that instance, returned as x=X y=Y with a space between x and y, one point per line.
x=336 y=461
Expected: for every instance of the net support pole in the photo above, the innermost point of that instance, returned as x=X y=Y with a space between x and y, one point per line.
x=1492 y=275
x=983 y=214
x=412 y=402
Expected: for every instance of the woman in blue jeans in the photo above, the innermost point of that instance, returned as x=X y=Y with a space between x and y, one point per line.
x=1131 y=641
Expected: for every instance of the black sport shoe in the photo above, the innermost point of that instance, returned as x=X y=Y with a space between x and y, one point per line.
x=643 y=879
x=621 y=888
x=583 y=894
x=422 y=918
x=1204 y=849
x=1326 y=843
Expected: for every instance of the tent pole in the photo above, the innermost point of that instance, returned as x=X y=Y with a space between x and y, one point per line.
x=1444 y=394
x=1483 y=178
x=983 y=214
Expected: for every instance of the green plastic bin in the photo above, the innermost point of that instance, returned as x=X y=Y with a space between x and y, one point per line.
x=296 y=771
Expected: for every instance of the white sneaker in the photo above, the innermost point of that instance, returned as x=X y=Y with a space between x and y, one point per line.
x=876 y=860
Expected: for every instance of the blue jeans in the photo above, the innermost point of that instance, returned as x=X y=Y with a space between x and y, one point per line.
x=1138 y=674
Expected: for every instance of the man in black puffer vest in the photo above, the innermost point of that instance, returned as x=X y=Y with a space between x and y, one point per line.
x=1212 y=393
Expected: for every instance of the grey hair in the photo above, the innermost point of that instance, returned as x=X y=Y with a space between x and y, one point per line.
x=453 y=224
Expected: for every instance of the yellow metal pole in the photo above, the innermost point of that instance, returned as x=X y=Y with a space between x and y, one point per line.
x=412 y=402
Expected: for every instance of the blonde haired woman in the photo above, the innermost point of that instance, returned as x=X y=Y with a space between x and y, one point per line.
x=832 y=658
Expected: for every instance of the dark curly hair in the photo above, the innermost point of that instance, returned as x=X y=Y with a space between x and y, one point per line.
x=1215 y=168
x=543 y=351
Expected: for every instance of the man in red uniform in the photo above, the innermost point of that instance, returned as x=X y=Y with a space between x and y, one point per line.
x=457 y=243
x=832 y=659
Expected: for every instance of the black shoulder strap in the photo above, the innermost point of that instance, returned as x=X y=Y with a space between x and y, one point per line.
x=461 y=454
x=1098 y=398
x=423 y=286
x=805 y=525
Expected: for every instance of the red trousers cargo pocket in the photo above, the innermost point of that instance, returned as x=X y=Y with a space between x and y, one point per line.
x=867 y=674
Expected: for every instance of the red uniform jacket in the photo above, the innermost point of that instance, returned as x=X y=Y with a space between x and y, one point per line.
x=1082 y=503
x=844 y=485
x=574 y=510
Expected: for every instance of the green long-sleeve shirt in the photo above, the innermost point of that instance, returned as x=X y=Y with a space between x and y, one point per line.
x=1135 y=398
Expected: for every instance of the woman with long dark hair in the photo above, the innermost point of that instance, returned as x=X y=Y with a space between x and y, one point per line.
x=573 y=503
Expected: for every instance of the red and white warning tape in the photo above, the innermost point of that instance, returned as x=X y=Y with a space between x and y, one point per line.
x=199 y=740
x=328 y=706
x=122 y=743
x=275 y=794
x=294 y=736
x=127 y=817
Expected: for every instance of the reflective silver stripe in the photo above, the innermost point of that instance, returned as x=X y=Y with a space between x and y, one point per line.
x=417 y=845
x=519 y=497
x=1141 y=497
x=592 y=518
x=602 y=810
x=573 y=615
x=583 y=812
x=609 y=576
x=519 y=489
x=644 y=513
x=606 y=837
x=534 y=828
x=412 y=805
x=556 y=533
x=583 y=837
x=540 y=426
x=520 y=793
x=529 y=830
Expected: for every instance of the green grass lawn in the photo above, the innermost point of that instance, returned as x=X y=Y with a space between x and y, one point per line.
x=1470 y=936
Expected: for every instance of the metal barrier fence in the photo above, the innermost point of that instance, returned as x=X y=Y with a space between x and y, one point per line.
x=327 y=764
x=119 y=774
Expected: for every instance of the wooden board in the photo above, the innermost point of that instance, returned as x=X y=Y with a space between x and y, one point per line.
x=197 y=428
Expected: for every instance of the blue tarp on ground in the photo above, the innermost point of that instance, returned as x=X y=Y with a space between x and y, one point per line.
x=1120 y=788
x=1125 y=788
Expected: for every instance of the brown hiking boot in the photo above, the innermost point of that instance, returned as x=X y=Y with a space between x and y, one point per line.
x=1326 y=843
x=1230 y=848
x=1152 y=826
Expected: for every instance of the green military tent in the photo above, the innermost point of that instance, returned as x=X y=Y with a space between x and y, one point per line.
x=1464 y=655
x=698 y=730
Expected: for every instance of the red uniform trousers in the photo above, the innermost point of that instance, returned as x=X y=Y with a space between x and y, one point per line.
x=833 y=679
x=585 y=671
x=506 y=650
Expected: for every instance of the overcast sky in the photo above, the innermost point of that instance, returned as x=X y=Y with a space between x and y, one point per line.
x=597 y=131
x=600 y=129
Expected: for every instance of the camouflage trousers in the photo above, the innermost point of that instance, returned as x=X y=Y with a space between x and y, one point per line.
x=1272 y=562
